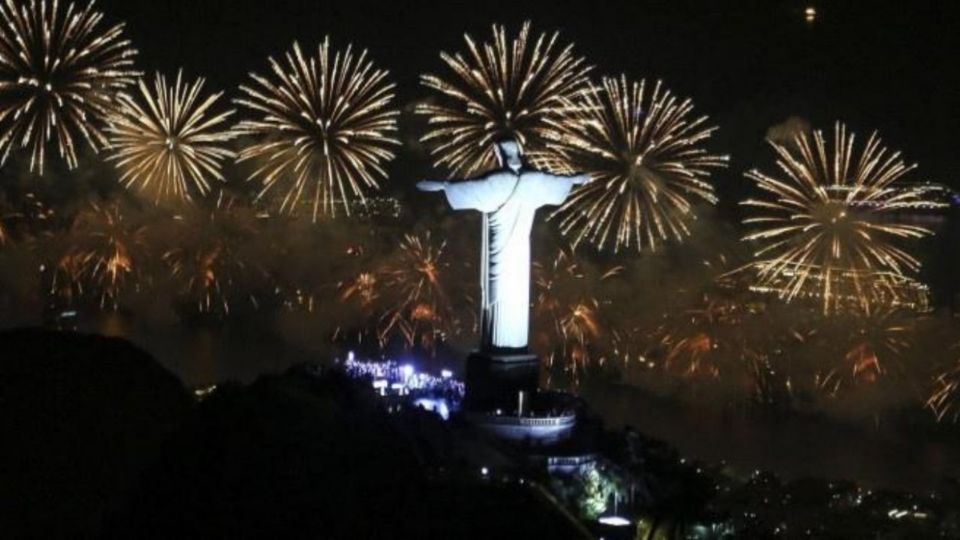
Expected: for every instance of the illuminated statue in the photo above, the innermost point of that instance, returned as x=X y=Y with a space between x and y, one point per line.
x=508 y=197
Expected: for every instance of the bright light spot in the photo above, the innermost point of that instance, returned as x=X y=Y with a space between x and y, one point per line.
x=484 y=471
x=896 y=513
x=438 y=406
x=614 y=521
x=810 y=14
x=201 y=393
x=446 y=374
x=407 y=371
x=350 y=356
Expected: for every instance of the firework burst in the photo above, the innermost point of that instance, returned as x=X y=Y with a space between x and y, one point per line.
x=110 y=249
x=67 y=278
x=567 y=311
x=167 y=141
x=362 y=289
x=830 y=216
x=644 y=151
x=694 y=348
x=420 y=309
x=725 y=342
x=716 y=339
x=59 y=75
x=208 y=261
x=28 y=218
x=874 y=343
x=517 y=88
x=102 y=253
x=326 y=125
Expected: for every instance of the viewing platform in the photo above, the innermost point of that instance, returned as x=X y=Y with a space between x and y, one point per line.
x=536 y=430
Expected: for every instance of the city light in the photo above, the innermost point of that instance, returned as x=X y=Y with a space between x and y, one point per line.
x=402 y=384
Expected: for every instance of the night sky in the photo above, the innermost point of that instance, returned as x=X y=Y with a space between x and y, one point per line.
x=749 y=65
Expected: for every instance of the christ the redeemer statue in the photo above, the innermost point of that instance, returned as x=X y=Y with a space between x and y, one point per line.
x=508 y=197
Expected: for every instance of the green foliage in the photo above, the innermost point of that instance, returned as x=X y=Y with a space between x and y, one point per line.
x=590 y=491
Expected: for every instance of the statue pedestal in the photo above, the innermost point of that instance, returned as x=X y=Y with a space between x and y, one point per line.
x=493 y=379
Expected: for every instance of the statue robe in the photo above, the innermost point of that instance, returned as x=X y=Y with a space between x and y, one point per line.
x=508 y=201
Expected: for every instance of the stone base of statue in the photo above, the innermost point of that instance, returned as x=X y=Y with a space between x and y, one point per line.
x=503 y=401
x=494 y=379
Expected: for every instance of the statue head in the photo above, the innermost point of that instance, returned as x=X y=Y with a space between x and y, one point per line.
x=510 y=154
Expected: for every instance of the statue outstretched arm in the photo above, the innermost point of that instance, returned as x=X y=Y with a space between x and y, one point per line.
x=472 y=193
x=554 y=188
x=431 y=185
x=443 y=185
x=574 y=179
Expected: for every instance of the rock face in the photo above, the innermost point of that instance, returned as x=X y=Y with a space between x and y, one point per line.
x=101 y=442
x=284 y=455
x=79 y=417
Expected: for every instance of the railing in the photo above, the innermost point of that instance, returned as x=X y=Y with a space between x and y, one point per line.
x=570 y=461
x=527 y=421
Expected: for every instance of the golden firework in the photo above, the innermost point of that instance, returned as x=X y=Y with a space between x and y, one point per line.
x=517 y=89
x=362 y=289
x=694 y=345
x=325 y=124
x=725 y=341
x=944 y=401
x=167 y=141
x=419 y=305
x=208 y=260
x=101 y=253
x=67 y=277
x=717 y=338
x=567 y=311
x=645 y=154
x=851 y=290
x=831 y=215
x=59 y=75
x=873 y=344
x=109 y=248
